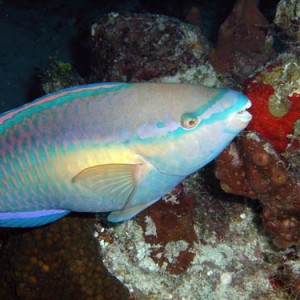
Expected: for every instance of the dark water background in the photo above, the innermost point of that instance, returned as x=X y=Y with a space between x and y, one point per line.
x=32 y=31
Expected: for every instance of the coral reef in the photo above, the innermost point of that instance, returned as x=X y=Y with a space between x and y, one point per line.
x=229 y=252
x=287 y=19
x=207 y=246
x=139 y=47
x=58 y=261
x=273 y=179
x=250 y=167
x=167 y=228
x=59 y=75
x=244 y=42
x=203 y=74
x=287 y=274
x=167 y=223
x=275 y=93
x=292 y=151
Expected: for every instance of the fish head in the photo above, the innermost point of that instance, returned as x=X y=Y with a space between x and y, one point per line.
x=197 y=130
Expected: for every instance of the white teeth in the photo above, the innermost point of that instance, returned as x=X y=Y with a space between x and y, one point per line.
x=244 y=116
x=248 y=104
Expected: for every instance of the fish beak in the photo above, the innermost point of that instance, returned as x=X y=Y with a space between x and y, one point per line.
x=239 y=120
x=243 y=115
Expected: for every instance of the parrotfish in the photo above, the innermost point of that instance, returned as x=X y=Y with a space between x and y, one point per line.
x=109 y=147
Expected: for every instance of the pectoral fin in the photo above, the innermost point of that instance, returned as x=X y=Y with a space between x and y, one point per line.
x=112 y=182
x=128 y=213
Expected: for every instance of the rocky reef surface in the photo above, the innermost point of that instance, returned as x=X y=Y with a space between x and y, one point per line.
x=237 y=238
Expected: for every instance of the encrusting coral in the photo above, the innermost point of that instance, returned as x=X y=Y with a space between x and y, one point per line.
x=172 y=220
x=264 y=163
x=275 y=94
x=250 y=167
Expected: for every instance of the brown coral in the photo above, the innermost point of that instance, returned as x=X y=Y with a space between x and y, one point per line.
x=58 y=261
x=250 y=167
x=244 y=42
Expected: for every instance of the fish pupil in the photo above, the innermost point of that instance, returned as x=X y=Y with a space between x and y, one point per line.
x=192 y=123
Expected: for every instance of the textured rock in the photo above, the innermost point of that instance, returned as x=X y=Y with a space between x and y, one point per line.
x=139 y=47
x=229 y=251
x=287 y=18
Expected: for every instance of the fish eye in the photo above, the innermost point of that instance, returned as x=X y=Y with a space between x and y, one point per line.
x=189 y=121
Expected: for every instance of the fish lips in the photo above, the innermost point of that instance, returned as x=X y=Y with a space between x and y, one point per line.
x=241 y=118
x=243 y=115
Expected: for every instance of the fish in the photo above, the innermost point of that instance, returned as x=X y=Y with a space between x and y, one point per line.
x=110 y=147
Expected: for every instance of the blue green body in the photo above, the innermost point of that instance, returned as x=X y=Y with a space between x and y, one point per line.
x=109 y=147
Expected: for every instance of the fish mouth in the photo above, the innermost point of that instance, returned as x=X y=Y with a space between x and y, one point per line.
x=243 y=115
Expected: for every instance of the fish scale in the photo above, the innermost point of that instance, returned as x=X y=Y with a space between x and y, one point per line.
x=110 y=147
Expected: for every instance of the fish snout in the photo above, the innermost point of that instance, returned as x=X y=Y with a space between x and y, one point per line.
x=239 y=120
x=243 y=115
